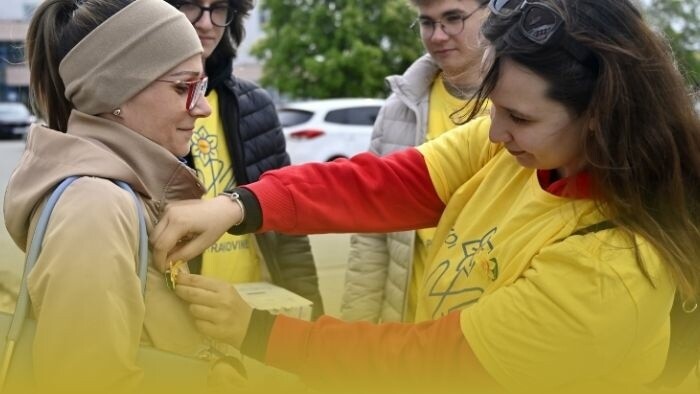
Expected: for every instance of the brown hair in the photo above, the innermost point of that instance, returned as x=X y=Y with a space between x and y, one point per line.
x=56 y=27
x=643 y=151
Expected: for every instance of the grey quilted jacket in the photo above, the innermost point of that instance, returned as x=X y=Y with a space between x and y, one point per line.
x=379 y=265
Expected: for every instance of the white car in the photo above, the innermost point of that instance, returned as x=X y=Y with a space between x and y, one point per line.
x=324 y=130
x=15 y=120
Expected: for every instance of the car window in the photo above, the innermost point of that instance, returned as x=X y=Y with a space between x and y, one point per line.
x=361 y=116
x=292 y=117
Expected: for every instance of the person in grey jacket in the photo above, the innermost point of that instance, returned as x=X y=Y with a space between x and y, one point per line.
x=239 y=142
x=384 y=270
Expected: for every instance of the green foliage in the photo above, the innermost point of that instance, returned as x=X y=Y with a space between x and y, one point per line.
x=335 y=48
x=679 y=20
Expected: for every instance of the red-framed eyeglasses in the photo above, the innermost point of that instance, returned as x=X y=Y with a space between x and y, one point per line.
x=195 y=90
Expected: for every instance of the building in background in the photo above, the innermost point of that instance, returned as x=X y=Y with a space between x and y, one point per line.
x=246 y=66
x=17 y=10
x=14 y=74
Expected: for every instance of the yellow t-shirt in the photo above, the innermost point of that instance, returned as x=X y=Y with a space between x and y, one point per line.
x=442 y=105
x=540 y=309
x=232 y=258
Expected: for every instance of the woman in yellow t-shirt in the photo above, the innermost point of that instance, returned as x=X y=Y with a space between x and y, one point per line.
x=566 y=223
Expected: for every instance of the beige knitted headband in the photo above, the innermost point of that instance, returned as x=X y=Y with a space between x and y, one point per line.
x=125 y=54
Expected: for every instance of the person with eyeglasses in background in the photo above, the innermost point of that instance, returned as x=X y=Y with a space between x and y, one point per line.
x=567 y=241
x=240 y=141
x=383 y=271
x=121 y=85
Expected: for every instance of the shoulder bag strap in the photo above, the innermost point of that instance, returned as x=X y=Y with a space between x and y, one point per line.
x=22 y=308
x=593 y=228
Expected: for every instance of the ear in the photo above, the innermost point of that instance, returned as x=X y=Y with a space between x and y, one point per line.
x=116 y=115
x=592 y=122
x=487 y=59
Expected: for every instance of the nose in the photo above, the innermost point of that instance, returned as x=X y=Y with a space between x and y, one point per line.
x=204 y=21
x=202 y=109
x=439 y=34
x=498 y=133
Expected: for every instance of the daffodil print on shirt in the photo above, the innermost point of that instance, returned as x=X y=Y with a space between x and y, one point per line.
x=206 y=150
x=460 y=280
x=231 y=258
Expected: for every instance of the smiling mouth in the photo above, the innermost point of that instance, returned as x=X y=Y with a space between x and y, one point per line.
x=516 y=153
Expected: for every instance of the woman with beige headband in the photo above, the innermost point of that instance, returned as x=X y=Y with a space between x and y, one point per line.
x=120 y=85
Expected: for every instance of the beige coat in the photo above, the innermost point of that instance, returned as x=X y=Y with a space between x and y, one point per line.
x=84 y=288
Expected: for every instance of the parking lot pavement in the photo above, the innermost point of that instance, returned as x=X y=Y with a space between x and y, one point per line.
x=11 y=258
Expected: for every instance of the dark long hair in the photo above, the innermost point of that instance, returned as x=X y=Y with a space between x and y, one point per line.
x=643 y=150
x=56 y=27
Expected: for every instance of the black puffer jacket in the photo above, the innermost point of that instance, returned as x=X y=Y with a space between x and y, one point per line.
x=254 y=138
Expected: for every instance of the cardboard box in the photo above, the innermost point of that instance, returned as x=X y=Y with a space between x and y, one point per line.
x=274 y=299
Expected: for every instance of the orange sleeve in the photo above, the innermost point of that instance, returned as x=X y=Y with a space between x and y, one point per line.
x=331 y=353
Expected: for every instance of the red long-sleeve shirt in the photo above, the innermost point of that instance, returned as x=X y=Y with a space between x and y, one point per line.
x=365 y=193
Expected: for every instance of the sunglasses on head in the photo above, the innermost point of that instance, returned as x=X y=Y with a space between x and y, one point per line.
x=541 y=24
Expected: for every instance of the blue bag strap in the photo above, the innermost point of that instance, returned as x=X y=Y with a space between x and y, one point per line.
x=143 y=237
x=35 y=248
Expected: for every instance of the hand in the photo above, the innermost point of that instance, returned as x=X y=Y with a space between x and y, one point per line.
x=218 y=309
x=188 y=227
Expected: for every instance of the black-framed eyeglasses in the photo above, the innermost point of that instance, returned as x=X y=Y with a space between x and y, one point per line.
x=195 y=90
x=220 y=14
x=542 y=25
x=451 y=24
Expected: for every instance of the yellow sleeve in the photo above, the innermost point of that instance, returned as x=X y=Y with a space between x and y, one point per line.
x=458 y=154
x=86 y=294
x=582 y=314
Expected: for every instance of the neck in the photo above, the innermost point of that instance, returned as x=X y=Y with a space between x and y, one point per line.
x=462 y=85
